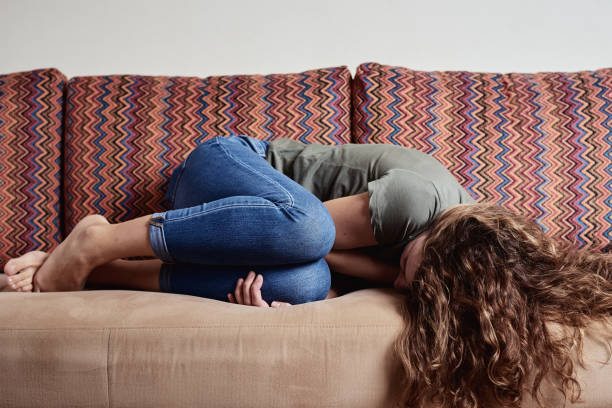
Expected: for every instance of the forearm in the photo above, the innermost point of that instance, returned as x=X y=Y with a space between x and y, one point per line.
x=353 y=262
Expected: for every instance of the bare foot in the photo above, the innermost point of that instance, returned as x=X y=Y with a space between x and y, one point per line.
x=67 y=267
x=20 y=270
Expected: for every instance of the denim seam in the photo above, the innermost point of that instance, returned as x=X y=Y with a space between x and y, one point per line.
x=162 y=238
x=260 y=149
x=169 y=280
x=160 y=279
x=165 y=277
x=178 y=178
x=159 y=227
x=218 y=208
x=257 y=145
x=255 y=172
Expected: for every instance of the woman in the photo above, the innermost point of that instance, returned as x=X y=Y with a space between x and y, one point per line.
x=480 y=282
x=285 y=209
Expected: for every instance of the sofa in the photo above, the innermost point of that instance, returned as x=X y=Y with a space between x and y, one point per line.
x=538 y=144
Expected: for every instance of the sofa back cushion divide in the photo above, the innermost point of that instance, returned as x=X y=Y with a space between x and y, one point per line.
x=125 y=134
x=538 y=144
x=31 y=124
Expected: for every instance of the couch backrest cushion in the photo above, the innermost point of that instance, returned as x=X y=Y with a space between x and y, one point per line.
x=538 y=144
x=30 y=161
x=125 y=133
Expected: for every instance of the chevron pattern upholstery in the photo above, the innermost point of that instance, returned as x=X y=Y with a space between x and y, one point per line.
x=538 y=144
x=125 y=134
x=30 y=161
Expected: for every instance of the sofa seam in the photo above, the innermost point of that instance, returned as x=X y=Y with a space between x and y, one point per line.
x=222 y=326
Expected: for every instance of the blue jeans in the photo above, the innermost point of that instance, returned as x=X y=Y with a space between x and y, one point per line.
x=232 y=212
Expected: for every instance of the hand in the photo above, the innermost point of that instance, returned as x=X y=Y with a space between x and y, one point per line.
x=248 y=292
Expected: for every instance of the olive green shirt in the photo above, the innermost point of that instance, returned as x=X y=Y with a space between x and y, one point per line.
x=407 y=187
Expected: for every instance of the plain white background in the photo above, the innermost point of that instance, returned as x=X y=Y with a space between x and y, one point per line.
x=201 y=38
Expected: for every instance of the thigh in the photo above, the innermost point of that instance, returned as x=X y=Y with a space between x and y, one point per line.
x=229 y=166
x=292 y=283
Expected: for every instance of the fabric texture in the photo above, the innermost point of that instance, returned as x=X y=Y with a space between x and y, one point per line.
x=407 y=188
x=125 y=134
x=142 y=349
x=538 y=144
x=30 y=161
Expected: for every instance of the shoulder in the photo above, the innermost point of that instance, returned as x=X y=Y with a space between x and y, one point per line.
x=431 y=192
x=409 y=191
x=402 y=203
x=404 y=181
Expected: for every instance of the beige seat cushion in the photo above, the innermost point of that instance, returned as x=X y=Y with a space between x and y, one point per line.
x=128 y=348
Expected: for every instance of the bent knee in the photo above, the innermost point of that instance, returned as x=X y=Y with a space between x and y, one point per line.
x=310 y=284
x=316 y=232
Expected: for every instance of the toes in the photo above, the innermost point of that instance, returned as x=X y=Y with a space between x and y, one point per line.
x=24 y=275
x=27 y=288
x=32 y=258
x=12 y=282
x=22 y=279
x=23 y=283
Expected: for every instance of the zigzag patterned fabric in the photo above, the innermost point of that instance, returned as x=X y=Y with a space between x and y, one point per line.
x=30 y=161
x=538 y=144
x=126 y=134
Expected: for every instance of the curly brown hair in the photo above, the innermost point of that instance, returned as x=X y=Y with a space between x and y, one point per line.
x=477 y=312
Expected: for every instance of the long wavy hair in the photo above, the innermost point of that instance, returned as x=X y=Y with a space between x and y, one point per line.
x=478 y=311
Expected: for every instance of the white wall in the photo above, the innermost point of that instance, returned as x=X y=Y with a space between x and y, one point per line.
x=200 y=38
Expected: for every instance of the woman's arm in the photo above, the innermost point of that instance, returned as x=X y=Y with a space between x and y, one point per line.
x=351 y=215
x=353 y=262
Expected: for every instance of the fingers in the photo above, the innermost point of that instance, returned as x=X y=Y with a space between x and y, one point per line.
x=248 y=291
x=242 y=292
x=246 y=288
x=238 y=291
x=256 y=292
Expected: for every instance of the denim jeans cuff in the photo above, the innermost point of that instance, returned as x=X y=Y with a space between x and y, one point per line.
x=156 y=237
